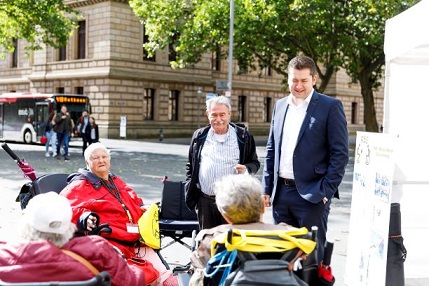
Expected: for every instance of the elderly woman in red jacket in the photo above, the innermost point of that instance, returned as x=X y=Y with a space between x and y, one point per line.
x=99 y=197
x=47 y=237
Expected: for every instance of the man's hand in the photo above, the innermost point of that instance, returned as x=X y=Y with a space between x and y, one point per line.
x=240 y=169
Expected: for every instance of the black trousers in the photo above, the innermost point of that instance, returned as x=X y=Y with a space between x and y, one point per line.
x=208 y=214
x=85 y=141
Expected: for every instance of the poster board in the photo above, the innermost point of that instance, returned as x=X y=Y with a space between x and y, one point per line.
x=370 y=209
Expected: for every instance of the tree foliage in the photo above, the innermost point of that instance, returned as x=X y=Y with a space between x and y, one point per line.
x=337 y=34
x=37 y=21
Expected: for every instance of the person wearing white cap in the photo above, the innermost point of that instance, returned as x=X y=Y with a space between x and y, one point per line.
x=47 y=249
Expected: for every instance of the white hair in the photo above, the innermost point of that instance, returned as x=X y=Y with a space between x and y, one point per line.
x=29 y=233
x=239 y=198
x=93 y=147
x=219 y=100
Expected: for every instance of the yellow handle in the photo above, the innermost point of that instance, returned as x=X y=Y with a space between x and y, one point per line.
x=265 y=241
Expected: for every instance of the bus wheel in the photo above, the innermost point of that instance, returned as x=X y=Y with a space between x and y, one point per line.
x=28 y=137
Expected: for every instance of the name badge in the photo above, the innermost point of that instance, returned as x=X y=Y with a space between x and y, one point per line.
x=132 y=228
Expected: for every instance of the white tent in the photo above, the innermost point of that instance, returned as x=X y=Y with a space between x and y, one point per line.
x=406 y=115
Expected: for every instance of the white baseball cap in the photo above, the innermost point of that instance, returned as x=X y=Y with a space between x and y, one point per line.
x=49 y=212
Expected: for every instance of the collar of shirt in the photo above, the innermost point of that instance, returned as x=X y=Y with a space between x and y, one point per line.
x=219 y=138
x=306 y=100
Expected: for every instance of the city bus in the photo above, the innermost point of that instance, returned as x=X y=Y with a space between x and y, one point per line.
x=23 y=114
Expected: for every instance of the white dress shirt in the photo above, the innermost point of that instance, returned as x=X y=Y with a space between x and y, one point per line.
x=294 y=117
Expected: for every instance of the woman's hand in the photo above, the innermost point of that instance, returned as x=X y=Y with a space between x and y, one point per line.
x=267 y=200
x=88 y=221
x=91 y=222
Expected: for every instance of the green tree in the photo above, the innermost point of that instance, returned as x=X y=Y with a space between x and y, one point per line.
x=262 y=33
x=37 y=21
x=337 y=34
x=360 y=34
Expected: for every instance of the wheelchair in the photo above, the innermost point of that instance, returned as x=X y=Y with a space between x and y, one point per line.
x=176 y=222
x=263 y=257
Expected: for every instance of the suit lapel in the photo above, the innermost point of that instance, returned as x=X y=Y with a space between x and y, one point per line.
x=281 y=113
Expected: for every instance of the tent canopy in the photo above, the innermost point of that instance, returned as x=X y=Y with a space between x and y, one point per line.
x=407 y=34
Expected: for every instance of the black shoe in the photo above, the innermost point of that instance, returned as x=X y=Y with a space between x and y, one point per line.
x=66 y=158
x=58 y=157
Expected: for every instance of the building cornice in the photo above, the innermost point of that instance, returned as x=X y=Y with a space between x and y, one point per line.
x=82 y=3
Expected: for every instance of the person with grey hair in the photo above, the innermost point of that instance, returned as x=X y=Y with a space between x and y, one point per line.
x=46 y=252
x=219 y=149
x=239 y=199
x=100 y=198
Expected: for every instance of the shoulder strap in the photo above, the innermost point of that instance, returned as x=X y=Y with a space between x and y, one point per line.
x=81 y=260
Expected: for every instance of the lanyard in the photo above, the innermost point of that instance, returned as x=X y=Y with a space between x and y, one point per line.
x=113 y=190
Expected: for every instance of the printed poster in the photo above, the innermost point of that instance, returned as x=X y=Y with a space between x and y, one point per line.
x=370 y=209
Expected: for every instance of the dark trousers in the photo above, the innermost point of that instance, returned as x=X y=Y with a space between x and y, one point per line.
x=289 y=207
x=85 y=141
x=60 y=138
x=208 y=214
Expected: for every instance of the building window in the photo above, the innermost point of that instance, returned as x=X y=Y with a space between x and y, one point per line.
x=81 y=40
x=242 y=108
x=216 y=61
x=172 y=54
x=173 y=105
x=15 y=53
x=354 y=113
x=267 y=109
x=267 y=71
x=148 y=102
x=145 y=53
x=79 y=89
x=60 y=90
x=62 y=53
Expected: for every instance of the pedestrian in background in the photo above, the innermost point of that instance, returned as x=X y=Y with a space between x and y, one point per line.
x=84 y=130
x=93 y=131
x=219 y=149
x=307 y=152
x=63 y=127
x=50 y=134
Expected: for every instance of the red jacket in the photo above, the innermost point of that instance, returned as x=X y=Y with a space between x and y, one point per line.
x=86 y=193
x=42 y=261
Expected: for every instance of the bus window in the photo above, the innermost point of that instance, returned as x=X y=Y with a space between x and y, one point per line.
x=42 y=114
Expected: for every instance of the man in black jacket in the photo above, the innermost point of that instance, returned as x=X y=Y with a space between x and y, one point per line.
x=219 y=149
x=64 y=127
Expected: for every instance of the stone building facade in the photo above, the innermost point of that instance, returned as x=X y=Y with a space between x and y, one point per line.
x=104 y=59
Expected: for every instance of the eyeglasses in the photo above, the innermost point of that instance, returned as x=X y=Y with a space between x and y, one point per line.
x=99 y=158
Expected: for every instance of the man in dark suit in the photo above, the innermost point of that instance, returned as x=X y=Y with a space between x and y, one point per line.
x=307 y=152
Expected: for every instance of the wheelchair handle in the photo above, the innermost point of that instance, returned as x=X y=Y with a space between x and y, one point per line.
x=10 y=152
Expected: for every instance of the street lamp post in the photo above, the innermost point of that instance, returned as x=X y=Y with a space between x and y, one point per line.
x=230 y=50
x=199 y=92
